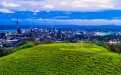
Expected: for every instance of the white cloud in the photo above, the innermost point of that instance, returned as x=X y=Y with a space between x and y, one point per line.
x=67 y=13
x=61 y=17
x=97 y=1
x=48 y=11
x=64 y=3
x=6 y=4
x=75 y=21
x=22 y=10
x=40 y=19
x=106 y=6
x=6 y=11
x=49 y=6
x=35 y=11
x=79 y=4
x=52 y=0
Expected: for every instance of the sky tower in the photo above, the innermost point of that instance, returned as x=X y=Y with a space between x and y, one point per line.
x=17 y=22
x=18 y=29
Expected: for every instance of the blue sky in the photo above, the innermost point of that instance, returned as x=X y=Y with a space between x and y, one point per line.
x=61 y=12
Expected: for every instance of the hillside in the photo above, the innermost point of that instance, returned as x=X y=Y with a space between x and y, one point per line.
x=61 y=59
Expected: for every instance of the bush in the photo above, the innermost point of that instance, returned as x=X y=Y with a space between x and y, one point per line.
x=29 y=45
x=48 y=41
x=22 y=43
x=98 y=43
x=37 y=43
x=115 y=48
x=65 y=41
x=32 y=37
x=107 y=47
x=5 y=51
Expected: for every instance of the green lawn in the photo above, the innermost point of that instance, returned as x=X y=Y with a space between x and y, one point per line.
x=62 y=59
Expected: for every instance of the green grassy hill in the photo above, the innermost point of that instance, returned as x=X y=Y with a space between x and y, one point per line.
x=61 y=59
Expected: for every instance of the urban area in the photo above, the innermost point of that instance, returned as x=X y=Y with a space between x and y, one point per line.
x=12 y=39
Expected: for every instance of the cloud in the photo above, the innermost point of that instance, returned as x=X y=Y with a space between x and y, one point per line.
x=35 y=11
x=6 y=4
x=74 y=21
x=116 y=17
x=67 y=13
x=79 y=4
x=52 y=0
x=61 y=17
x=22 y=10
x=105 y=6
x=49 y=6
x=84 y=21
x=64 y=3
x=6 y=11
x=97 y=1
x=48 y=11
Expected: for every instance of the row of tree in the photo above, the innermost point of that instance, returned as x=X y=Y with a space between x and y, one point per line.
x=115 y=47
x=110 y=47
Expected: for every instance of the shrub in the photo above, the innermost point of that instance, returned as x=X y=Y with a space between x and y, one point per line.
x=29 y=45
x=115 y=48
x=48 y=41
x=5 y=51
x=22 y=43
x=32 y=37
x=99 y=43
x=37 y=43
x=107 y=47
x=65 y=41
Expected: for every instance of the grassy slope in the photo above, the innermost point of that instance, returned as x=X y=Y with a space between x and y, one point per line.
x=62 y=59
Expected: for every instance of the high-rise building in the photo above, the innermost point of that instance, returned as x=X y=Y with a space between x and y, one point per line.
x=45 y=29
x=2 y=35
x=31 y=29
x=18 y=28
x=53 y=29
x=36 y=32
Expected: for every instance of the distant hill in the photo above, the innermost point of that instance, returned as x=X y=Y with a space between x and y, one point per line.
x=62 y=59
x=102 y=26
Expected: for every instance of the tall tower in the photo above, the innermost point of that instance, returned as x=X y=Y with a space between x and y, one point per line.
x=17 y=22
x=18 y=29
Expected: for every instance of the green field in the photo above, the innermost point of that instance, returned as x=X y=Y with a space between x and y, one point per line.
x=62 y=59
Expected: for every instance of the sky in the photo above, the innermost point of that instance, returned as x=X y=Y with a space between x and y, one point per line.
x=60 y=12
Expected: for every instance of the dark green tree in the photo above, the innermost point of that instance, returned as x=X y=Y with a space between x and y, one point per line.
x=22 y=43
x=48 y=41
x=107 y=47
x=32 y=37
x=65 y=41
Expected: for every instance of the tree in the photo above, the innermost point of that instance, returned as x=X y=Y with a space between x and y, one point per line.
x=107 y=47
x=65 y=41
x=32 y=37
x=22 y=43
x=118 y=48
x=48 y=41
